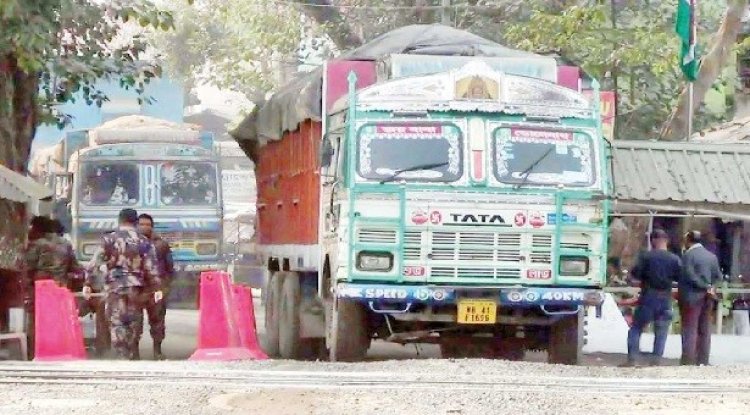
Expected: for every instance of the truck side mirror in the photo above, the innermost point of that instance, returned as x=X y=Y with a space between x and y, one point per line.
x=326 y=153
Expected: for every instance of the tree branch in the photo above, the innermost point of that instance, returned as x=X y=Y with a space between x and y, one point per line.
x=676 y=127
x=324 y=12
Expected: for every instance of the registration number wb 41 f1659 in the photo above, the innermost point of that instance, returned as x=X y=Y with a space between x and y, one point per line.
x=477 y=311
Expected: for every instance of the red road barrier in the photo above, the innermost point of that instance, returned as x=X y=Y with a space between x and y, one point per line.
x=57 y=334
x=223 y=330
x=246 y=320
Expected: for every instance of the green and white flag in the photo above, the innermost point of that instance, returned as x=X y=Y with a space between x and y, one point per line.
x=685 y=28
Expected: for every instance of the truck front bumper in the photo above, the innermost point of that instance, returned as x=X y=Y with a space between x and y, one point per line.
x=509 y=297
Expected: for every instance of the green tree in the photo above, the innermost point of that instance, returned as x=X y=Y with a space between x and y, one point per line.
x=723 y=45
x=241 y=45
x=52 y=51
x=231 y=44
x=640 y=51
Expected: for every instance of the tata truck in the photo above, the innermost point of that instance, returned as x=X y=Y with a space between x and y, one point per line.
x=434 y=198
x=167 y=170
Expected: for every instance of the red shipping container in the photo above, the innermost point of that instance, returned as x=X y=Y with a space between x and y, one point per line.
x=288 y=188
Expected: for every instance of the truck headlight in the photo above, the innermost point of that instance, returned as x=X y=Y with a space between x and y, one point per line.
x=374 y=261
x=574 y=266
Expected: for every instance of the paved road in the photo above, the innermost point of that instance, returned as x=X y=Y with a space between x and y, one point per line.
x=182 y=329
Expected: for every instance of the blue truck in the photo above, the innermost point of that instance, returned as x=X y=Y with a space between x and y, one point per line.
x=167 y=170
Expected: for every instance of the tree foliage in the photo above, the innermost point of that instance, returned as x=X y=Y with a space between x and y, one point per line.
x=252 y=46
x=62 y=48
x=641 y=53
x=638 y=54
x=677 y=127
x=52 y=51
x=239 y=45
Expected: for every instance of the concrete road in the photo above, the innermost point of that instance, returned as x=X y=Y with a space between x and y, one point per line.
x=182 y=334
x=182 y=330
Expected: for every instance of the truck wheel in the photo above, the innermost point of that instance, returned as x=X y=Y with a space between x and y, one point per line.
x=289 y=341
x=273 y=296
x=566 y=340
x=353 y=337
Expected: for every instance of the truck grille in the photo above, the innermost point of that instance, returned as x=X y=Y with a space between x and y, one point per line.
x=473 y=254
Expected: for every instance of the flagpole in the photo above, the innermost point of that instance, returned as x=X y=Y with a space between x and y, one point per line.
x=691 y=81
x=690 y=111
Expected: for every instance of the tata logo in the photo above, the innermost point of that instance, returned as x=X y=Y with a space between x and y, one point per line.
x=482 y=218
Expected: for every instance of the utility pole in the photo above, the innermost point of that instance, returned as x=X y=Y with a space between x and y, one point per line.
x=445 y=13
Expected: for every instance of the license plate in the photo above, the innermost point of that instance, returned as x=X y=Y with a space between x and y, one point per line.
x=477 y=312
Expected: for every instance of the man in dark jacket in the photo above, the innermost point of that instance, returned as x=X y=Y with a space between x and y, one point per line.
x=657 y=270
x=697 y=296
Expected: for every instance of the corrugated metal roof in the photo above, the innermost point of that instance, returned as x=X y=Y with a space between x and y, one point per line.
x=682 y=172
x=19 y=188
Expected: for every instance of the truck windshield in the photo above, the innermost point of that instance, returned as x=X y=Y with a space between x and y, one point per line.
x=555 y=157
x=188 y=183
x=110 y=183
x=394 y=149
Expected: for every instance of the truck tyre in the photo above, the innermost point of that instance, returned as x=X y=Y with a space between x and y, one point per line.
x=273 y=296
x=566 y=340
x=289 y=301
x=353 y=337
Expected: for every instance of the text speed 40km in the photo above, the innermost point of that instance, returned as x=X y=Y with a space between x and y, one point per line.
x=477 y=312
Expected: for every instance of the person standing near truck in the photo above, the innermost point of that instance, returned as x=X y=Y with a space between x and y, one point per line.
x=157 y=310
x=48 y=256
x=697 y=297
x=657 y=270
x=130 y=263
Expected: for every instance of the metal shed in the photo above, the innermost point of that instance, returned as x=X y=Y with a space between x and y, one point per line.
x=689 y=177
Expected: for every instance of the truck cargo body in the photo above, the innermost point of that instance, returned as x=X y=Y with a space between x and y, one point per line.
x=466 y=207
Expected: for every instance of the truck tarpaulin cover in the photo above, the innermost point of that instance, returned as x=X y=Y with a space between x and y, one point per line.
x=301 y=99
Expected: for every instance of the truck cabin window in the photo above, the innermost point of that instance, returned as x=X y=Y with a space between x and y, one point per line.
x=110 y=184
x=188 y=183
x=427 y=153
x=527 y=156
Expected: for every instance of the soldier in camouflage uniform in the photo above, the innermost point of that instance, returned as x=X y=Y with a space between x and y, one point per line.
x=48 y=256
x=130 y=262
x=157 y=311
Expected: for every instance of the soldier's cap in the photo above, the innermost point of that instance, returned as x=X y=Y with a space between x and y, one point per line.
x=659 y=234
x=128 y=215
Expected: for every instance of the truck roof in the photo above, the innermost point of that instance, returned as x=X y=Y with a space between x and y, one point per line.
x=143 y=129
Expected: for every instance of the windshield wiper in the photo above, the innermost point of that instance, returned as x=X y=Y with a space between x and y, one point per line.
x=398 y=172
x=529 y=169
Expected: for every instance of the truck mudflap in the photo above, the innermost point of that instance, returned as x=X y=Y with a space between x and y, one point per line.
x=511 y=297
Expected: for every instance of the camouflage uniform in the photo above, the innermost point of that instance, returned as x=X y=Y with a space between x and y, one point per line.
x=130 y=262
x=50 y=256
x=157 y=312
